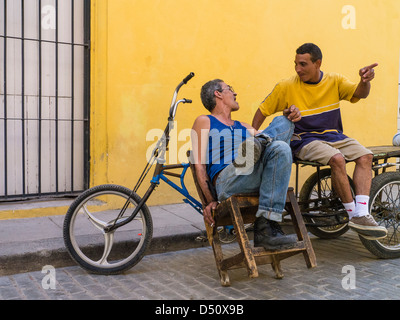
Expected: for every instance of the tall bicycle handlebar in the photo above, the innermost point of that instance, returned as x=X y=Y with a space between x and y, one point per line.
x=174 y=104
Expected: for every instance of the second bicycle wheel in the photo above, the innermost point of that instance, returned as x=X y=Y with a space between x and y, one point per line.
x=107 y=252
x=326 y=209
x=384 y=202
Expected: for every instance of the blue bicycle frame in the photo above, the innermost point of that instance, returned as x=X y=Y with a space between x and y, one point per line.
x=182 y=188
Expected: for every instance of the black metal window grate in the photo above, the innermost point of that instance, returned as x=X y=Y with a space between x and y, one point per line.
x=44 y=97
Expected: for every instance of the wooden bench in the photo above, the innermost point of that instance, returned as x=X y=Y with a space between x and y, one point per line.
x=239 y=210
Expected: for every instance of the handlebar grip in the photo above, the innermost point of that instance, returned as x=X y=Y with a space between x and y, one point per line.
x=188 y=101
x=190 y=76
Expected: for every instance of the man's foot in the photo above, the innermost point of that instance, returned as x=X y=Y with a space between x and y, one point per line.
x=264 y=139
x=367 y=227
x=268 y=234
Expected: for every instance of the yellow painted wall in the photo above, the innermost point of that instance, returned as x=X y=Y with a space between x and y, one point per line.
x=141 y=49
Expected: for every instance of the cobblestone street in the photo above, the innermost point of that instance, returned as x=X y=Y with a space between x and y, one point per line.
x=191 y=275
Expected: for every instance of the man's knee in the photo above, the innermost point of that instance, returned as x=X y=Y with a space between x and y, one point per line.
x=337 y=161
x=365 y=161
x=284 y=121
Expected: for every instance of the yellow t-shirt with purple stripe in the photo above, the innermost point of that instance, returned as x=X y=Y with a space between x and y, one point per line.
x=318 y=104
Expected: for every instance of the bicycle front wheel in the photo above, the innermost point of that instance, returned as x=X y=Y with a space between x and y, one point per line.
x=103 y=252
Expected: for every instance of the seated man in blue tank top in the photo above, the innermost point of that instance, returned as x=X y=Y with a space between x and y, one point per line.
x=220 y=163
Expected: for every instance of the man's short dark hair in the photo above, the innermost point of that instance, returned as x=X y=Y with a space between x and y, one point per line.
x=207 y=93
x=312 y=49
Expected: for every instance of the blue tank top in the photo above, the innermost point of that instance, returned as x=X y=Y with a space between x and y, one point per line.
x=223 y=144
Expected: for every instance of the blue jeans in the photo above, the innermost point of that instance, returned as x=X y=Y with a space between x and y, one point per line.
x=270 y=176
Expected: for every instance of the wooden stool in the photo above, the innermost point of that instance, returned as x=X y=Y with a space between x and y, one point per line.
x=239 y=210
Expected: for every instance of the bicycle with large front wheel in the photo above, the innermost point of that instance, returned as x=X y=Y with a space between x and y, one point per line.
x=108 y=228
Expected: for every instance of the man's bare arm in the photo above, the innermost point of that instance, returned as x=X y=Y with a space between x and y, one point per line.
x=200 y=131
x=292 y=113
x=258 y=120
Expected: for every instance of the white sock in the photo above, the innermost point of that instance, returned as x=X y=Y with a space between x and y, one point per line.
x=350 y=208
x=362 y=205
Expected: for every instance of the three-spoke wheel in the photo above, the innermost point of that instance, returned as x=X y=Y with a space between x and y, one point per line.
x=89 y=216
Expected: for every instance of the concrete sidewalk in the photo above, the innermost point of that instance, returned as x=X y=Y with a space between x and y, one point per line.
x=29 y=244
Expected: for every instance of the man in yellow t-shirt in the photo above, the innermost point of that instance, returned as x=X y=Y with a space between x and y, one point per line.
x=320 y=133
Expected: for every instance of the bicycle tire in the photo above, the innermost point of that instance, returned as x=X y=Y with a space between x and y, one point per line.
x=330 y=203
x=106 y=253
x=384 y=206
